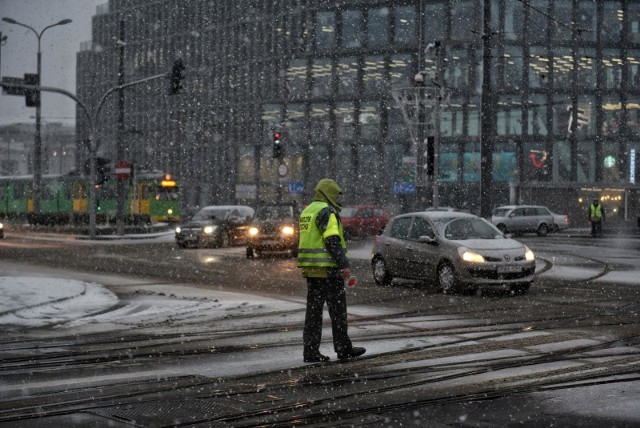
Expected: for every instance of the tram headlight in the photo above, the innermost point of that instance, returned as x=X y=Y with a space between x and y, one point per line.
x=169 y=211
x=208 y=230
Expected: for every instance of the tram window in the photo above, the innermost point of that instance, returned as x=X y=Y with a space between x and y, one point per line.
x=144 y=192
x=19 y=190
x=47 y=192
x=166 y=194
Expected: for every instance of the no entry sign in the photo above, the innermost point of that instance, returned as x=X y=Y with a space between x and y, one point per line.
x=122 y=170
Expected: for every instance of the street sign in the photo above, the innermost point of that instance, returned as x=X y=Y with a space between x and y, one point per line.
x=122 y=170
x=296 y=187
x=8 y=90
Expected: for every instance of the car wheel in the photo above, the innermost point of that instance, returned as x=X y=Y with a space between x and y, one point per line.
x=181 y=245
x=543 y=229
x=447 y=282
x=502 y=228
x=250 y=254
x=380 y=273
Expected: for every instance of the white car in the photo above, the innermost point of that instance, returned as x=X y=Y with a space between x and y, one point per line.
x=560 y=222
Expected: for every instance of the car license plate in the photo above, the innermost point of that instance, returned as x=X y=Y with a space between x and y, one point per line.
x=509 y=269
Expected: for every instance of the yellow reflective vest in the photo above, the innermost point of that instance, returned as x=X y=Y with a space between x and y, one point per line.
x=312 y=252
x=595 y=212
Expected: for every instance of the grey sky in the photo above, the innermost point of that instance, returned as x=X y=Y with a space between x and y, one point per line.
x=59 y=46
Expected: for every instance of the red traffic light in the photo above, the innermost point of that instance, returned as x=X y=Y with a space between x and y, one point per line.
x=276 y=135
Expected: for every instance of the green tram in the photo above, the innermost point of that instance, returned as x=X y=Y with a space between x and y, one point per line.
x=64 y=199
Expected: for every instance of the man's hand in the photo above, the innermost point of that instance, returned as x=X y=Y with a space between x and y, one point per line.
x=345 y=273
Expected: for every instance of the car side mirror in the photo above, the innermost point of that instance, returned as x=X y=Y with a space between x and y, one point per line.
x=428 y=240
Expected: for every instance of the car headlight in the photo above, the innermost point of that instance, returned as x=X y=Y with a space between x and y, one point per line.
x=287 y=230
x=178 y=230
x=528 y=254
x=253 y=231
x=208 y=230
x=469 y=256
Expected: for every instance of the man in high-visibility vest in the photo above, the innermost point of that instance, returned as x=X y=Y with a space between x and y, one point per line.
x=322 y=256
x=596 y=217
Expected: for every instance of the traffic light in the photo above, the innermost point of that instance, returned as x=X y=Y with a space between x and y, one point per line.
x=431 y=156
x=177 y=74
x=32 y=96
x=277 y=144
x=103 y=168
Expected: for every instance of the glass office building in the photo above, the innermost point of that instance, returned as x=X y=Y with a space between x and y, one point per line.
x=563 y=97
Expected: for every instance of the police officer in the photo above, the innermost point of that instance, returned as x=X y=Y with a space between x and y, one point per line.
x=322 y=256
x=596 y=217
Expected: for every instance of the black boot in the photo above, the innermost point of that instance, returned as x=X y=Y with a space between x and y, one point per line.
x=354 y=352
x=316 y=358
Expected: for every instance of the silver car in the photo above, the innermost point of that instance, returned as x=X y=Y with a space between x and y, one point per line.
x=523 y=219
x=452 y=250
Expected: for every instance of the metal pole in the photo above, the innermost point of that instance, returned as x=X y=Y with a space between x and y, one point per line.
x=120 y=188
x=436 y=123
x=486 y=121
x=37 y=149
x=3 y=40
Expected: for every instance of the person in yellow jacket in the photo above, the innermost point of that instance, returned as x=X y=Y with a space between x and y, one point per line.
x=322 y=256
x=596 y=217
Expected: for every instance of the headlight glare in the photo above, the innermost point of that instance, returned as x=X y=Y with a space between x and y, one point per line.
x=287 y=230
x=253 y=231
x=178 y=230
x=470 y=256
x=208 y=230
x=528 y=254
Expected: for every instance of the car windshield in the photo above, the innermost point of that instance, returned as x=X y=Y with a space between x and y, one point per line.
x=274 y=213
x=211 y=214
x=501 y=212
x=470 y=228
x=348 y=212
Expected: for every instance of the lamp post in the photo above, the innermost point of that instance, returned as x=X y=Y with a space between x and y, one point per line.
x=37 y=157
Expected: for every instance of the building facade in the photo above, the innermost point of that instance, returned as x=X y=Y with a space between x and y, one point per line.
x=561 y=98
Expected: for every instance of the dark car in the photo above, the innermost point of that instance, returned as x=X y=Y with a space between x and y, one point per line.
x=215 y=226
x=453 y=250
x=363 y=220
x=274 y=229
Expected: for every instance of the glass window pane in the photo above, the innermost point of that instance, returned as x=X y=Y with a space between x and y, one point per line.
x=321 y=75
x=457 y=71
x=537 y=115
x=373 y=75
x=297 y=78
x=347 y=75
x=400 y=73
x=405 y=24
x=562 y=20
x=434 y=21
x=345 y=122
x=539 y=67
x=325 y=31
x=351 y=29
x=611 y=22
x=370 y=120
x=320 y=121
x=296 y=124
x=612 y=65
x=378 y=27
x=537 y=26
x=587 y=20
x=561 y=161
x=464 y=20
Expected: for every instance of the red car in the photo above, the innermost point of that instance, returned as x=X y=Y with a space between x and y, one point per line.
x=363 y=220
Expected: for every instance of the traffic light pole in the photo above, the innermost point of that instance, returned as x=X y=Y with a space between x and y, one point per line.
x=120 y=184
x=93 y=120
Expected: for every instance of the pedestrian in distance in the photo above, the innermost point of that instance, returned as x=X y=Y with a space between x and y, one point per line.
x=322 y=256
x=596 y=217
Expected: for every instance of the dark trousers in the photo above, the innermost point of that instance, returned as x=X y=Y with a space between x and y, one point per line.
x=331 y=291
x=596 y=227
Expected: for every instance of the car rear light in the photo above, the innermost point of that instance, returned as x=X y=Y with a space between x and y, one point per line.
x=566 y=219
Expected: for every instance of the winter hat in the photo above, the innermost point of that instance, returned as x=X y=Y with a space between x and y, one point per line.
x=328 y=190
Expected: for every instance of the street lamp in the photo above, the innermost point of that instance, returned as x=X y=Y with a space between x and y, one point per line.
x=37 y=158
